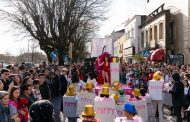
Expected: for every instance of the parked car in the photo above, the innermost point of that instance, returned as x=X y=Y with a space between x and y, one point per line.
x=29 y=64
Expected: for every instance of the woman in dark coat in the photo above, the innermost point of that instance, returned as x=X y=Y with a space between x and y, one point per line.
x=177 y=96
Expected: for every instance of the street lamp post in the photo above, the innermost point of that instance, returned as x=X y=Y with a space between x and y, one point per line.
x=71 y=51
x=28 y=50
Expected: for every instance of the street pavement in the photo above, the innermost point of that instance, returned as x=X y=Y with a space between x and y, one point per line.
x=168 y=118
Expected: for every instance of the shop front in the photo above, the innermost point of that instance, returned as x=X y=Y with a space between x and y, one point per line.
x=176 y=59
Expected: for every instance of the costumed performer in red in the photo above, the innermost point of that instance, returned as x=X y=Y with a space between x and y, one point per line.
x=105 y=67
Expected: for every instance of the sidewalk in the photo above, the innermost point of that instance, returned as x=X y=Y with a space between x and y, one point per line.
x=168 y=118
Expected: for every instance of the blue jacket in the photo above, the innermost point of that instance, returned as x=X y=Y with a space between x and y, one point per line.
x=4 y=114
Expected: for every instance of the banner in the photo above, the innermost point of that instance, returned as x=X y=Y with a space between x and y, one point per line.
x=141 y=107
x=84 y=99
x=155 y=90
x=114 y=71
x=69 y=106
x=105 y=109
x=98 y=44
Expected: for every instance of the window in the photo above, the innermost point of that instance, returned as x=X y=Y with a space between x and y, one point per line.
x=161 y=30
x=150 y=34
x=146 y=36
x=132 y=33
x=128 y=34
x=172 y=33
x=142 y=39
x=155 y=32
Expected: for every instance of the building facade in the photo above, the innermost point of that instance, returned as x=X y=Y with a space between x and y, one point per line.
x=115 y=36
x=167 y=27
x=189 y=30
x=133 y=45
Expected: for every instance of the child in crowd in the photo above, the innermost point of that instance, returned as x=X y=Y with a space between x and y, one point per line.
x=129 y=114
x=23 y=106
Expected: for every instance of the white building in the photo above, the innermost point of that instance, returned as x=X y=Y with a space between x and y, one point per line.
x=115 y=36
x=133 y=43
x=116 y=48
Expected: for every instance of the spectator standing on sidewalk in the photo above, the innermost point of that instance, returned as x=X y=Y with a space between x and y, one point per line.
x=186 y=97
x=17 y=81
x=5 y=78
x=1 y=85
x=26 y=92
x=5 y=108
x=57 y=91
x=44 y=88
x=14 y=97
x=36 y=90
x=177 y=95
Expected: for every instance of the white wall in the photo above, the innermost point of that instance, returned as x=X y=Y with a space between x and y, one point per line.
x=134 y=24
x=152 y=24
x=116 y=48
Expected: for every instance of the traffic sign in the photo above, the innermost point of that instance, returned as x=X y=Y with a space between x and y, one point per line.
x=53 y=54
x=66 y=58
x=146 y=53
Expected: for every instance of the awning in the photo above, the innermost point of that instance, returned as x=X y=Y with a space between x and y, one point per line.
x=157 y=55
x=150 y=55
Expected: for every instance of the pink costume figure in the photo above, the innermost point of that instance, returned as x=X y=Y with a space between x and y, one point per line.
x=105 y=69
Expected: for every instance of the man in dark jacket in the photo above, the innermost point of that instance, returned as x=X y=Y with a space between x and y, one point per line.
x=177 y=96
x=5 y=78
x=44 y=88
x=63 y=81
x=57 y=94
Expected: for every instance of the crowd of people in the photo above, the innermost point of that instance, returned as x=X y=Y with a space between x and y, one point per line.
x=22 y=89
x=176 y=80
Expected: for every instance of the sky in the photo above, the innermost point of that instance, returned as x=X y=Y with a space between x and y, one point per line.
x=119 y=11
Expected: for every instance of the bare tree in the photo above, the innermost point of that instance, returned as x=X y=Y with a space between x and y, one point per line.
x=20 y=57
x=8 y=55
x=33 y=47
x=56 y=23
